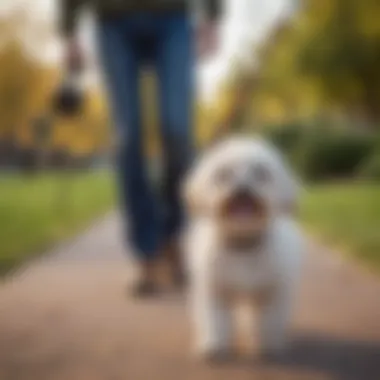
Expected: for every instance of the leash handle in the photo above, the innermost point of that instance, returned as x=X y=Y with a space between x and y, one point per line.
x=69 y=98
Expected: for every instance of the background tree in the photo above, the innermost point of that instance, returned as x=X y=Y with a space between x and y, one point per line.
x=322 y=63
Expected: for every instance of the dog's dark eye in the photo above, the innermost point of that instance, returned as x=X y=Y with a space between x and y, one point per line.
x=223 y=175
x=262 y=174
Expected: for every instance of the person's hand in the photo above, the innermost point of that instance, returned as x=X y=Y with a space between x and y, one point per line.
x=74 y=56
x=207 y=39
x=68 y=99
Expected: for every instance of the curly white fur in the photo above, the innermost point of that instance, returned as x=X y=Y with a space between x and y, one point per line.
x=264 y=274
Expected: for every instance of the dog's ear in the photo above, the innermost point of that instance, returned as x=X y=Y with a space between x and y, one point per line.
x=288 y=186
x=289 y=190
x=193 y=190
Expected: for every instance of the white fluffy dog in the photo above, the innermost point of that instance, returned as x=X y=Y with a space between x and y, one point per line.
x=241 y=243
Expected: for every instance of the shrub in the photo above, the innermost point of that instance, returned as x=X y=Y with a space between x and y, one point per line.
x=320 y=152
x=370 y=168
x=332 y=154
x=286 y=137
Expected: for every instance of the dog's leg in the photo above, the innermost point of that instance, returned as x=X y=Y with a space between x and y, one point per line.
x=274 y=320
x=213 y=320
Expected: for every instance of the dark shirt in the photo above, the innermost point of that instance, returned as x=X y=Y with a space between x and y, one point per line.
x=70 y=9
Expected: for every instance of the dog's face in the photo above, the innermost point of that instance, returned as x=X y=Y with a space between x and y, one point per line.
x=242 y=184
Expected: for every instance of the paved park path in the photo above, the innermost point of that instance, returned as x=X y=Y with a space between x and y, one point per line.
x=66 y=316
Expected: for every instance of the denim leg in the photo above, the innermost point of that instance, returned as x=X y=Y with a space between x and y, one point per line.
x=120 y=61
x=175 y=66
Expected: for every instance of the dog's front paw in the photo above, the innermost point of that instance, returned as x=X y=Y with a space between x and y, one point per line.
x=274 y=353
x=271 y=356
x=215 y=356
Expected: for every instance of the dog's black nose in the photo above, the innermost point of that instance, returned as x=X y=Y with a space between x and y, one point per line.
x=242 y=192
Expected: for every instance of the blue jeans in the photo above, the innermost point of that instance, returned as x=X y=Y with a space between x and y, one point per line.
x=164 y=41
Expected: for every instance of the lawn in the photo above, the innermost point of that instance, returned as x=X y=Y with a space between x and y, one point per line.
x=38 y=211
x=348 y=216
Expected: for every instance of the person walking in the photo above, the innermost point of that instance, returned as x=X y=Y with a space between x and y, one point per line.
x=165 y=35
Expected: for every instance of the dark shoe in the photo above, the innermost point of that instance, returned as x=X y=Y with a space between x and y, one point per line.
x=144 y=289
x=179 y=279
x=217 y=357
x=146 y=285
x=175 y=265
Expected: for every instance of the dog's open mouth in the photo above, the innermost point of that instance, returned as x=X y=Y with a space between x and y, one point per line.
x=243 y=207
x=243 y=221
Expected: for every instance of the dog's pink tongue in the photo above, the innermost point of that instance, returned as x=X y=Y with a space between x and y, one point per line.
x=242 y=210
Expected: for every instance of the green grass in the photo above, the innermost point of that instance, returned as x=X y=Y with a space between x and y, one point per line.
x=348 y=216
x=38 y=211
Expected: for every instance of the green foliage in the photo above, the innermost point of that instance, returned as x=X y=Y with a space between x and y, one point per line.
x=370 y=169
x=26 y=87
x=287 y=138
x=342 y=49
x=325 y=152
x=333 y=154
x=325 y=59
x=36 y=212
x=17 y=79
x=347 y=215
